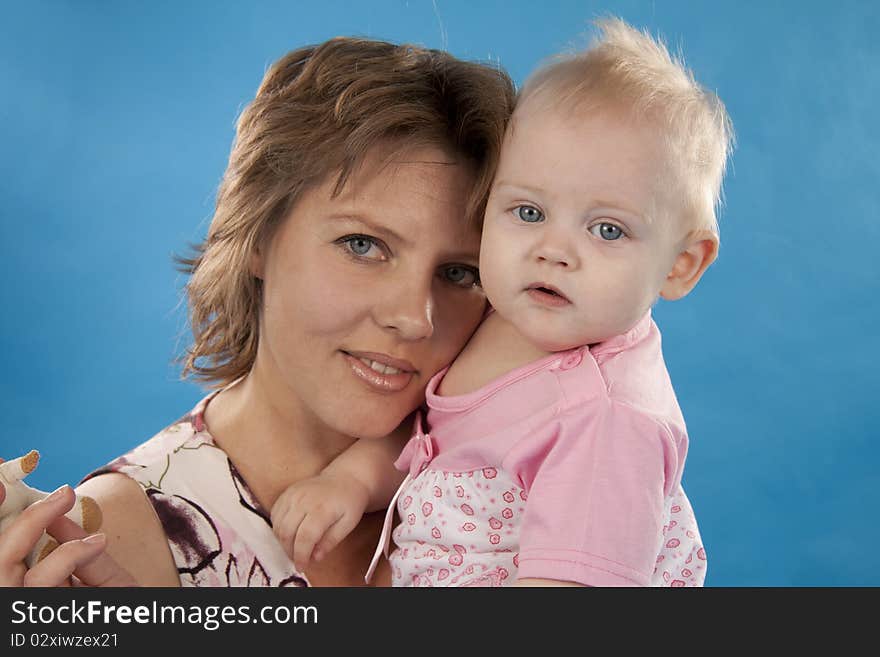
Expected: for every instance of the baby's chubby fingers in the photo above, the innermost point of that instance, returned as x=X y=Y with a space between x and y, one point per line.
x=334 y=535
x=285 y=524
x=19 y=538
x=311 y=530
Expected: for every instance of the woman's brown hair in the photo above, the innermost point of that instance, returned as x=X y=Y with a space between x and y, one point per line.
x=318 y=111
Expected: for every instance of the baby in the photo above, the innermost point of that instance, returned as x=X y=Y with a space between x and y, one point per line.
x=555 y=444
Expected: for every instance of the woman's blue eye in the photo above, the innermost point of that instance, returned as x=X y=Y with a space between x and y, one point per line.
x=461 y=275
x=360 y=245
x=529 y=214
x=606 y=231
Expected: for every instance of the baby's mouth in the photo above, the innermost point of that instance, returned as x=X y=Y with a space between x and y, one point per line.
x=549 y=290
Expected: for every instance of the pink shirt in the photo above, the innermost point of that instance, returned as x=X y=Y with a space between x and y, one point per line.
x=568 y=468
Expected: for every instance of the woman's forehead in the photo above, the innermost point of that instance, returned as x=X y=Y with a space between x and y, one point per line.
x=427 y=175
x=410 y=196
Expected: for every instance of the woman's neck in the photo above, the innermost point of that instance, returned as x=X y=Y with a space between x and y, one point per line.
x=269 y=437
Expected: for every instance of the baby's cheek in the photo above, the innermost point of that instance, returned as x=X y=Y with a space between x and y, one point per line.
x=493 y=280
x=625 y=311
x=494 y=252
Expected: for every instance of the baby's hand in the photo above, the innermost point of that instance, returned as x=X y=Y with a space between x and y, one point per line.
x=311 y=517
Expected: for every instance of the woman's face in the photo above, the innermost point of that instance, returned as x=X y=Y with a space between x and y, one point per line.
x=368 y=294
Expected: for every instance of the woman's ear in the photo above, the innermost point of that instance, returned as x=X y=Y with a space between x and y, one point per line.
x=700 y=251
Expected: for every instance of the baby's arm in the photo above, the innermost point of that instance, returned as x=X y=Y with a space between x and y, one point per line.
x=312 y=516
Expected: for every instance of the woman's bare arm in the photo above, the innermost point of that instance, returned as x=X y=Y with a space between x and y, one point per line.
x=135 y=538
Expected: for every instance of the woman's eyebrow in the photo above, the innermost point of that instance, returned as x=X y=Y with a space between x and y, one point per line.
x=378 y=229
x=357 y=221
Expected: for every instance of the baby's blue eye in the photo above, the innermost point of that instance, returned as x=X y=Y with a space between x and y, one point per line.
x=606 y=231
x=529 y=214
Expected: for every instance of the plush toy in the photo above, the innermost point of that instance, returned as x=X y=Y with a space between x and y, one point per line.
x=86 y=512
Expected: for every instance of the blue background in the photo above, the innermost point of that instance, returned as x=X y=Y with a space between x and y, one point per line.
x=115 y=125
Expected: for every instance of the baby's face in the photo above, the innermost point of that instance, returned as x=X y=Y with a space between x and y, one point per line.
x=580 y=230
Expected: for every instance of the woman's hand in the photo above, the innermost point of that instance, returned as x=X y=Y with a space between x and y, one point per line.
x=78 y=560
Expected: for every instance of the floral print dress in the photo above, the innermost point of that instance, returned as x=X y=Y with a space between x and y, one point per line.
x=218 y=533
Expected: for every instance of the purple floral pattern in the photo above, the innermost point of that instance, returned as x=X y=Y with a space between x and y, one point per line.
x=218 y=532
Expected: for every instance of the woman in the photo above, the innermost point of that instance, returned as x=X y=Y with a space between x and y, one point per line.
x=339 y=274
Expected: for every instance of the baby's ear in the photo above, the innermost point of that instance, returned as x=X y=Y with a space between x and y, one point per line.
x=699 y=251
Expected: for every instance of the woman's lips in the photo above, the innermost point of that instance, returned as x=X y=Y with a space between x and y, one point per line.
x=380 y=371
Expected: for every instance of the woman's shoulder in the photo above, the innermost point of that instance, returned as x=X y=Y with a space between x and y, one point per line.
x=135 y=537
x=204 y=520
x=151 y=457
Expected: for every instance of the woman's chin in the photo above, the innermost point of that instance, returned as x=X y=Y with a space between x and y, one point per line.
x=380 y=432
x=369 y=426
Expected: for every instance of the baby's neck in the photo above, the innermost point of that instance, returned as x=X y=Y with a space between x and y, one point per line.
x=494 y=350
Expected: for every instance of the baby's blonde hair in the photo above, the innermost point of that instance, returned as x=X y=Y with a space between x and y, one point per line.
x=625 y=67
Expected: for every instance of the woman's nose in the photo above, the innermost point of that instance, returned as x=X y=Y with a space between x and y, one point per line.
x=408 y=309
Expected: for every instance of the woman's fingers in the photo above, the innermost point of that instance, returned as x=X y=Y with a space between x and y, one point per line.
x=19 y=538
x=64 y=529
x=102 y=570
x=91 y=568
x=12 y=574
x=79 y=562
x=56 y=569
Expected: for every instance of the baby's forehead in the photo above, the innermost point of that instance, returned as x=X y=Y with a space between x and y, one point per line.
x=618 y=132
x=661 y=182
x=538 y=108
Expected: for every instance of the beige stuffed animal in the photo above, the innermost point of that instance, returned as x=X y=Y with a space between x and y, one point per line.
x=86 y=512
